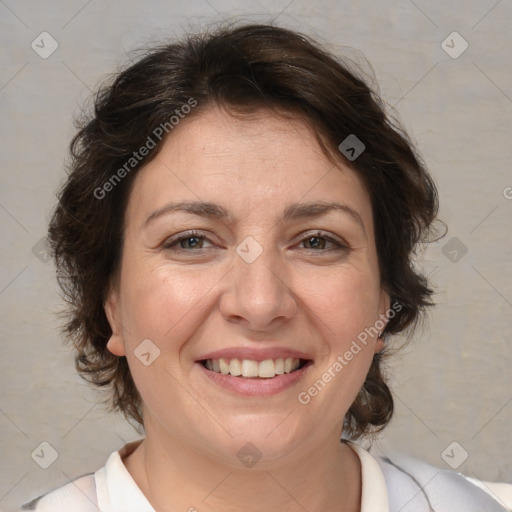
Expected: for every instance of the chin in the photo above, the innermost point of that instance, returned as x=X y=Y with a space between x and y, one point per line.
x=265 y=437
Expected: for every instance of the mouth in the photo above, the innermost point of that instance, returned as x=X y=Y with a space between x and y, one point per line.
x=250 y=372
x=256 y=370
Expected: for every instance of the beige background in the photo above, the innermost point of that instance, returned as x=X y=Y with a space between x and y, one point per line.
x=452 y=383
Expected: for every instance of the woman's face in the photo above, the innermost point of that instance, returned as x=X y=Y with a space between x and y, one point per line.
x=234 y=253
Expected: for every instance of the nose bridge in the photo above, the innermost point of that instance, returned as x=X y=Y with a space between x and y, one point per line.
x=258 y=290
x=256 y=270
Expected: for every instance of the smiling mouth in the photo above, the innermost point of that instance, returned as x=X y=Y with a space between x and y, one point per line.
x=252 y=369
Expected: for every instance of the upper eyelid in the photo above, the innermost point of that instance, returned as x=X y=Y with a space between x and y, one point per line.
x=191 y=234
x=340 y=242
x=300 y=237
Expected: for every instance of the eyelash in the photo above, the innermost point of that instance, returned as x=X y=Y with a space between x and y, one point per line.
x=170 y=244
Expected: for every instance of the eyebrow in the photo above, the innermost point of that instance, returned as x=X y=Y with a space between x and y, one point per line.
x=294 y=211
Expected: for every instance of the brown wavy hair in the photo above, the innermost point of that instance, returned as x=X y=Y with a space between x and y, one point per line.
x=242 y=68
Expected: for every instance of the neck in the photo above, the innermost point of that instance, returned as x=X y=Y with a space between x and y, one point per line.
x=173 y=476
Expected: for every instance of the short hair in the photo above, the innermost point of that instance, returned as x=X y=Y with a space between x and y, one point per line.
x=244 y=69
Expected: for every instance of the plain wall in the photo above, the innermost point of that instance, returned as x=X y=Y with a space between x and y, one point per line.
x=451 y=383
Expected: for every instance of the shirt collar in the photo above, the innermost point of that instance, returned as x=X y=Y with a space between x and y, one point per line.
x=116 y=489
x=374 y=493
x=118 y=492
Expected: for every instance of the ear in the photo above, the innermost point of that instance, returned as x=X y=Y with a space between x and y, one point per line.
x=384 y=306
x=115 y=344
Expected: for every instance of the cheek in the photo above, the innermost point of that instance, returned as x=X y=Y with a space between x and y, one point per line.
x=346 y=302
x=160 y=302
x=346 y=309
x=165 y=306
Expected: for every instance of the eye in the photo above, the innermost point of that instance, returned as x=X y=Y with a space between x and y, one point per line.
x=188 y=242
x=318 y=241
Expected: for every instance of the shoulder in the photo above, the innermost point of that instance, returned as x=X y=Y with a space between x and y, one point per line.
x=78 y=495
x=415 y=485
x=111 y=488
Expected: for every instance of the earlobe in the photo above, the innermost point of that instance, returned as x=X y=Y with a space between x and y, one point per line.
x=379 y=344
x=115 y=344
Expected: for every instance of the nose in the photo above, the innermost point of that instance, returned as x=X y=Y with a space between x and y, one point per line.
x=258 y=295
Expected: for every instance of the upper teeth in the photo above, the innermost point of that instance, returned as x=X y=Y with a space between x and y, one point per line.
x=252 y=368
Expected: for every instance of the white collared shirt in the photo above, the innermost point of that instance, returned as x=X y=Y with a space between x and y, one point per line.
x=387 y=486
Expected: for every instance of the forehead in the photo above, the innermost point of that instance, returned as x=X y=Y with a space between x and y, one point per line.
x=258 y=163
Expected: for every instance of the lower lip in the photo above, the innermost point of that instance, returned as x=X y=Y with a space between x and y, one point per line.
x=256 y=387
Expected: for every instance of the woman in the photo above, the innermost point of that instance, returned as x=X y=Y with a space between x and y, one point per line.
x=235 y=241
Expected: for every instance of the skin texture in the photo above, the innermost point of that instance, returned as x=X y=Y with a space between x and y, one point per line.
x=201 y=296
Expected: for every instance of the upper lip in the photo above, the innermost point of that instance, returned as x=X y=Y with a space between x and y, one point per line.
x=257 y=354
